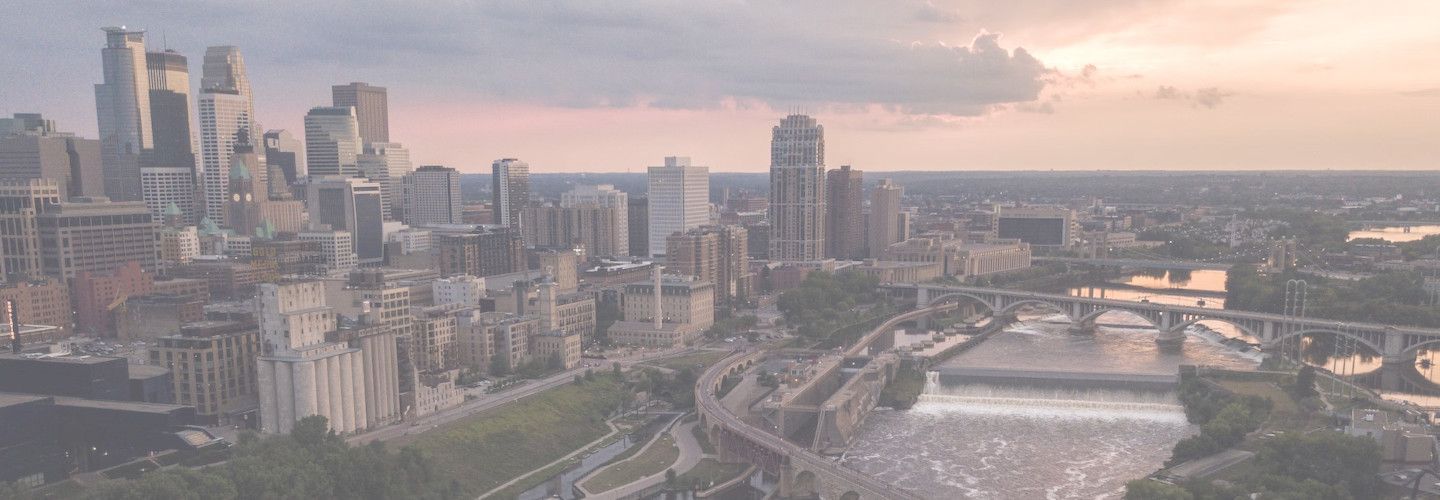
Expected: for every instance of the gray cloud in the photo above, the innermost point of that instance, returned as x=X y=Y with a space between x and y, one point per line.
x=673 y=54
x=1208 y=97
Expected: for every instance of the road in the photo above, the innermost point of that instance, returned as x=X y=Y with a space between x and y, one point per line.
x=496 y=400
x=1429 y=484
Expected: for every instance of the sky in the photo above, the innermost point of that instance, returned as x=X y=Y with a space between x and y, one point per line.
x=899 y=85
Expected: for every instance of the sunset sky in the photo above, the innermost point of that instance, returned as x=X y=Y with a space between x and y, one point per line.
x=899 y=85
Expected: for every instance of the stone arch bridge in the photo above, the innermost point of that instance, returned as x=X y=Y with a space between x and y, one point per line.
x=1394 y=344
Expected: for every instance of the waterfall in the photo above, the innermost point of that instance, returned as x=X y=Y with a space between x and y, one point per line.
x=1056 y=400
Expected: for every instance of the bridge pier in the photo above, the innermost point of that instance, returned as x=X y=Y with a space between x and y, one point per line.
x=1171 y=338
x=1082 y=328
x=1400 y=359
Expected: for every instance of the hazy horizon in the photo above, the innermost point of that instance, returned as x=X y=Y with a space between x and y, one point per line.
x=932 y=85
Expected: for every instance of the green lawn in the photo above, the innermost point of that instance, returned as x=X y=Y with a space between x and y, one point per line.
x=490 y=448
x=655 y=459
x=701 y=359
x=709 y=472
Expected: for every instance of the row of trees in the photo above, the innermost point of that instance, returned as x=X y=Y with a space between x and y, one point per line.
x=1224 y=419
x=1398 y=298
x=1322 y=465
x=312 y=462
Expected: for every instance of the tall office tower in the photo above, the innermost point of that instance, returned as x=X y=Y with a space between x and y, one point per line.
x=349 y=204
x=96 y=235
x=797 y=190
x=604 y=196
x=31 y=148
x=21 y=203
x=679 y=195
x=387 y=163
x=432 y=196
x=248 y=194
x=510 y=190
x=638 y=222
x=332 y=141
x=224 y=122
x=844 y=213
x=716 y=254
x=169 y=76
x=122 y=106
x=371 y=109
x=299 y=372
x=885 y=223
x=283 y=150
x=224 y=68
x=166 y=187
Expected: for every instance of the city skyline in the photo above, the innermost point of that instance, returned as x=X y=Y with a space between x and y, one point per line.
x=1108 y=86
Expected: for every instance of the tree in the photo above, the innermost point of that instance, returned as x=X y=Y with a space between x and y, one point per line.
x=1305 y=383
x=499 y=365
x=313 y=432
x=670 y=477
x=1147 y=489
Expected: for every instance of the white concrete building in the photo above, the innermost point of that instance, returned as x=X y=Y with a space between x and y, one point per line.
x=679 y=199
x=300 y=374
x=166 y=186
x=336 y=246
x=462 y=289
x=223 y=115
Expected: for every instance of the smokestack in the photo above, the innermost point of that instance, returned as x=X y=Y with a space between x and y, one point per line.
x=14 y=314
x=659 y=313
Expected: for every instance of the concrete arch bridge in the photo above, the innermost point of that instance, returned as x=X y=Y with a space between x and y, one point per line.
x=1394 y=344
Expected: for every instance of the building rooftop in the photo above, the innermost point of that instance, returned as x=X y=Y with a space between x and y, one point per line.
x=82 y=359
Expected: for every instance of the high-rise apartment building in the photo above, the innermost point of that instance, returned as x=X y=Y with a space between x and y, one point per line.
x=886 y=226
x=431 y=195
x=371 y=109
x=593 y=227
x=349 y=204
x=387 y=163
x=510 y=190
x=797 y=190
x=605 y=197
x=31 y=148
x=284 y=151
x=484 y=252
x=679 y=200
x=122 y=107
x=332 y=141
x=845 y=213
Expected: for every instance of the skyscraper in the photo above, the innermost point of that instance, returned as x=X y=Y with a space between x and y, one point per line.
x=679 y=198
x=332 y=141
x=844 y=215
x=432 y=196
x=716 y=254
x=797 y=190
x=885 y=227
x=227 y=116
x=224 y=122
x=284 y=151
x=510 y=190
x=604 y=196
x=22 y=201
x=170 y=176
x=387 y=163
x=638 y=222
x=371 y=109
x=169 y=75
x=349 y=204
x=122 y=108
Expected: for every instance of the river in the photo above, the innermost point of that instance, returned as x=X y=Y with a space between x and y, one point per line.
x=1395 y=234
x=989 y=441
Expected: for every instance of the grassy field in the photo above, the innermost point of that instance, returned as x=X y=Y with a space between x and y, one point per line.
x=655 y=459
x=697 y=361
x=1285 y=415
x=710 y=472
x=490 y=448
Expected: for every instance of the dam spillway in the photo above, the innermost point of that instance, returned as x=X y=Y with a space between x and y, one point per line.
x=1058 y=378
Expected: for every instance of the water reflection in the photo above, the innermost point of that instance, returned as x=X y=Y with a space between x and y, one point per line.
x=1396 y=234
x=1202 y=288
